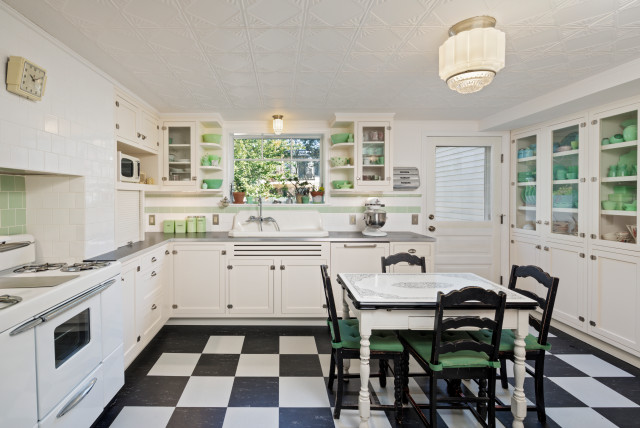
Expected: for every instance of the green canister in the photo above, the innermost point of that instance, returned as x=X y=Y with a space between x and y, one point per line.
x=201 y=224
x=191 y=224
x=181 y=226
x=169 y=226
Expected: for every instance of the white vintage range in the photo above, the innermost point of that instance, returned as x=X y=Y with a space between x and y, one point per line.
x=61 y=358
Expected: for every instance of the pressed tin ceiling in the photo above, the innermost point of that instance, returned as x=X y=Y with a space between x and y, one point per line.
x=306 y=59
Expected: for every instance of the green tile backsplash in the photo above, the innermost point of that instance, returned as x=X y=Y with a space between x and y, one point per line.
x=13 y=204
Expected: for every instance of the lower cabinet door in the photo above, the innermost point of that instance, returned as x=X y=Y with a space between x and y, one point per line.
x=130 y=331
x=301 y=287
x=614 y=293
x=197 y=280
x=18 y=393
x=250 y=285
x=522 y=253
x=355 y=257
x=414 y=248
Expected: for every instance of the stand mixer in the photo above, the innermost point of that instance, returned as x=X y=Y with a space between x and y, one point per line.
x=374 y=217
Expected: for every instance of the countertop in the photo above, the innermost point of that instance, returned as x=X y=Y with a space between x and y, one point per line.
x=155 y=239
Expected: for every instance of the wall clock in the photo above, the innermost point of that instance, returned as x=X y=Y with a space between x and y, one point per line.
x=26 y=78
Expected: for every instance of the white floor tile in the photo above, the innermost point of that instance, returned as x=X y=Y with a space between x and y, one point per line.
x=578 y=417
x=242 y=417
x=351 y=419
x=592 y=365
x=174 y=364
x=303 y=392
x=325 y=363
x=462 y=418
x=386 y=395
x=147 y=416
x=592 y=393
x=510 y=369
x=224 y=345
x=259 y=365
x=207 y=391
x=298 y=345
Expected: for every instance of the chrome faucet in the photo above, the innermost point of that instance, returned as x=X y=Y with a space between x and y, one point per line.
x=261 y=219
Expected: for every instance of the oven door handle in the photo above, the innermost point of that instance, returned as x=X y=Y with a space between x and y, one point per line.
x=47 y=316
x=77 y=399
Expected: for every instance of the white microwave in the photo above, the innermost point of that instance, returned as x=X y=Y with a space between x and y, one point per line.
x=128 y=168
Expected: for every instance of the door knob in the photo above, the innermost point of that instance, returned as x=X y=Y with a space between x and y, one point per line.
x=432 y=228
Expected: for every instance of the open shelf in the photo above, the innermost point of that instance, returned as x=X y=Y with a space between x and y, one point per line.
x=342 y=145
x=619 y=213
x=342 y=167
x=211 y=168
x=211 y=146
x=529 y=159
x=526 y=183
x=619 y=179
x=575 y=181
x=179 y=145
x=614 y=146
x=566 y=153
x=564 y=210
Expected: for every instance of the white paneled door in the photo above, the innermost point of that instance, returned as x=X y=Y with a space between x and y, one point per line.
x=463 y=203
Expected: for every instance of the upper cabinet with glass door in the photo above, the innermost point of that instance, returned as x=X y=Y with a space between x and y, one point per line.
x=567 y=181
x=617 y=183
x=525 y=183
x=374 y=156
x=179 y=150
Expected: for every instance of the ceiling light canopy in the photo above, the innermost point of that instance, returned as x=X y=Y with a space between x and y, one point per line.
x=278 y=124
x=472 y=55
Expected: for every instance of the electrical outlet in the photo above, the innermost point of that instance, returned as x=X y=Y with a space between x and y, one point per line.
x=152 y=220
x=216 y=219
x=352 y=219
x=414 y=218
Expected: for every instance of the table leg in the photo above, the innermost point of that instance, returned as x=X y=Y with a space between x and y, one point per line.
x=364 y=405
x=518 y=401
x=345 y=315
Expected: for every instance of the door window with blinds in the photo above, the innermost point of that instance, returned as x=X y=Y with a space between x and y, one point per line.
x=462 y=183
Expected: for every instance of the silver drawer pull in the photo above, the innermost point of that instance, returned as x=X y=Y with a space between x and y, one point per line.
x=153 y=260
x=154 y=307
x=77 y=398
x=411 y=251
x=360 y=245
x=153 y=273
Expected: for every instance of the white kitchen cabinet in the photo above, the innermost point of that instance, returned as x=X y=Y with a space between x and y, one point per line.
x=126 y=120
x=180 y=154
x=420 y=249
x=301 y=286
x=130 y=333
x=526 y=203
x=149 y=131
x=18 y=402
x=149 y=295
x=198 y=279
x=136 y=127
x=614 y=285
x=250 y=285
x=355 y=257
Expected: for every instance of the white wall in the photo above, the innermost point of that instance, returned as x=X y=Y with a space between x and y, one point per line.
x=69 y=132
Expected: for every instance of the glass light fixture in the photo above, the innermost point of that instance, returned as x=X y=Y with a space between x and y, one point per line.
x=278 y=124
x=472 y=55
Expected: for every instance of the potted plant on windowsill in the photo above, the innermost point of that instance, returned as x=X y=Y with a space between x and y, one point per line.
x=239 y=190
x=317 y=195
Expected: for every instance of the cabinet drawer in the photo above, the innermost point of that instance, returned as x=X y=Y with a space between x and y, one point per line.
x=151 y=311
x=148 y=281
x=416 y=249
x=152 y=259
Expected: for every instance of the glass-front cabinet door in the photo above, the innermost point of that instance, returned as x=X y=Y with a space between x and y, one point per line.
x=567 y=180
x=525 y=183
x=179 y=153
x=617 y=183
x=374 y=162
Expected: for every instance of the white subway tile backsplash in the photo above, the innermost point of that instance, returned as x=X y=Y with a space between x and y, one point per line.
x=60 y=216
x=44 y=141
x=51 y=123
x=67 y=200
x=36 y=160
x=28 y=138
x=19 y=157
x=50 y=162
x=77 y=216
x=64 y=127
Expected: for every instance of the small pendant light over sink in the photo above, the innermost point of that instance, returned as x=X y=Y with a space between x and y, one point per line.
x=278 y=124
x=472 y=55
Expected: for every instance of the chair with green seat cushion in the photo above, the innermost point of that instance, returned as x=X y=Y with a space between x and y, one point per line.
x=450 y=353
x=345 y=344
x=535 y=347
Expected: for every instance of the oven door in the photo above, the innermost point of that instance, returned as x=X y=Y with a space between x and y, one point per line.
x=69 y=347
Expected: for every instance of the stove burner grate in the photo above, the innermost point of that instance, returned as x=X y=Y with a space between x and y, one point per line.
x=40 y=268
x=77 y=267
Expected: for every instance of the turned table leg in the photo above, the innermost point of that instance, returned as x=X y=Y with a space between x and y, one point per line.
x=518 y=401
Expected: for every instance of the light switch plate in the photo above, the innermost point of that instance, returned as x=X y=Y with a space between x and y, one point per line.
x=216 y=219
x=152 y=219
x=352 y=219
x=414 y=218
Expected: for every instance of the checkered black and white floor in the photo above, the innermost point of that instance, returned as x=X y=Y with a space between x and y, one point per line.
x=219 y=376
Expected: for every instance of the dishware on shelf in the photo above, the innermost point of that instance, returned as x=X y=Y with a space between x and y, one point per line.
x=628 y=122
x=561 y=173
x=563 y=149
x=211 y=138
x=631 y=207
x=527 y=153
x=572 y=175
x=528 y=226
x=337 y=184
x=214 y=160
x=633 y=230
x=605 y=141
x=204 y=161
x=624 y=189
x=213 y=183
x=630 y=133
x=609 y=205
x=350 y=138
x=574 y=144
x=339 y=138
x=339 y=161
x=626 y=198
x=611 y=236
x=622 y=170
x=613 y=171
x=623 y=236
x=618 y=138
x=520 y=153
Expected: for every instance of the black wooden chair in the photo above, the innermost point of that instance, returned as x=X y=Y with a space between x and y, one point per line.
x=403 y=257
x=535 y=347
x=451 y=353
x=345 y=344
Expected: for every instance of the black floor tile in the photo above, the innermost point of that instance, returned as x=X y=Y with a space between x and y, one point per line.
x=555 y=367
x=217 y=365
x=555 y=396
x=197 y=417
x=108 y=415
x=626 y=386
x=261 y=344
x=323 y=343
x=255 y=392
x=623 y=417
x=300 y=365
x=308 y=417
x=530 y=421
x=153 y=391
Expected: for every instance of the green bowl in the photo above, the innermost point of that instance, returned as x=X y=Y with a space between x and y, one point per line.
x=609 y=205
x=621 y=197
x=618 y=138
x=337 y=184
x=213 y=183
x=339 y=138
x=211 y=138
x=631 y=207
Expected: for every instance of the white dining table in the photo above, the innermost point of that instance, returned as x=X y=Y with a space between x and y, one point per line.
x=407 y=301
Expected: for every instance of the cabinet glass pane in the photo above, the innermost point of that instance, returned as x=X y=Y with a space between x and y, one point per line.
x=618 y=177
x=564 y=193
x=526 y=175
x=373 y=150
x=179 y=153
